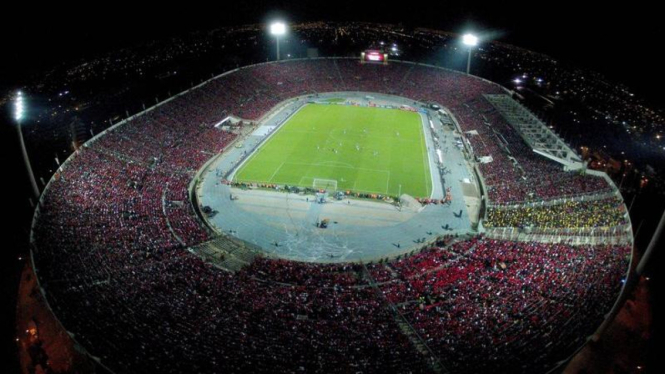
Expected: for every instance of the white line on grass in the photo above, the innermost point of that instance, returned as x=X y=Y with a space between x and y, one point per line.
x=341 y=166
x=262 y=143
x=387 y=183
x=334 y=163
x=276 y=170
x=428 y=161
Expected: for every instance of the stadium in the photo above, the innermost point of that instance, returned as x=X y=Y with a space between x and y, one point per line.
x=332 y=215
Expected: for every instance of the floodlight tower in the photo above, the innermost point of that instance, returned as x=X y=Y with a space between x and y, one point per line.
x=18 y=116
x=470 y=41
x=278 y=29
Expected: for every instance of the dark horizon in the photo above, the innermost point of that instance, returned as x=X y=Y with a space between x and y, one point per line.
x=616 y=42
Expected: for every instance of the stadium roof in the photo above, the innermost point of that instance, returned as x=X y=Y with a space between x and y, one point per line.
x=534 y=132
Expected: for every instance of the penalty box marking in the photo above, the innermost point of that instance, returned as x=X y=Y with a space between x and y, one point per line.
x=307 y=178
x=276 y=170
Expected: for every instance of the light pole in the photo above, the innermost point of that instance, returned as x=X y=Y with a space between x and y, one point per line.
x=470 y=41
x=278 y=29
x=18 y=115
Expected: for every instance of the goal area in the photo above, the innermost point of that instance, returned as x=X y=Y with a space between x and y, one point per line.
x=325 y=184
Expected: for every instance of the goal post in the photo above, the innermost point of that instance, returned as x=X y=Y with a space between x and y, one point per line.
x=325 y=184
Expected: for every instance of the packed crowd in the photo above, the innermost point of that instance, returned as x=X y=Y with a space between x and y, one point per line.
x=182 y=315
x=298 y=273
x=479 y=305
x=515 y=175
x=111 y=230
x=608 y=212
x=175 y=136
x=532 y=302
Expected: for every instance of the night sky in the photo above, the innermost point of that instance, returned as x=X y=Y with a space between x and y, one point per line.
x=618 y=41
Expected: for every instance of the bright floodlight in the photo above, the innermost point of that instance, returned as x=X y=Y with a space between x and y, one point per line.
x=278 y=28
x=470 y=40
x=18 y=106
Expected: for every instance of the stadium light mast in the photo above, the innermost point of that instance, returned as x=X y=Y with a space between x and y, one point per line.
x=18 y=116
x=278 y=29
x=470 y=41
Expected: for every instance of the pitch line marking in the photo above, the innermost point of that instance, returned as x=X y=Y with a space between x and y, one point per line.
x=323 y=164
x=387 y=183
x=276 y=170
x=427 y=156
x=333 y=163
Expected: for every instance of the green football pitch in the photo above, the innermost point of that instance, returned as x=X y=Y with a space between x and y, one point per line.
x=372 y=150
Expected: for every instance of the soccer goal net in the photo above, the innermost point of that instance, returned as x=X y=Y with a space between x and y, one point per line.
x=325 y=184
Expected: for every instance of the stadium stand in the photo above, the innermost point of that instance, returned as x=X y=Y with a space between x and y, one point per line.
x=571 y=214
x=111 y=233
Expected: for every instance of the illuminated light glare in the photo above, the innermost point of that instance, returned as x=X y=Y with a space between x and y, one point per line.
x=18 y=106
x=278 y=28
x=470 y=40
x=517 y=80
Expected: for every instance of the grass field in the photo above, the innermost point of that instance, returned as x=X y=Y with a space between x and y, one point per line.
x=363 y=149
